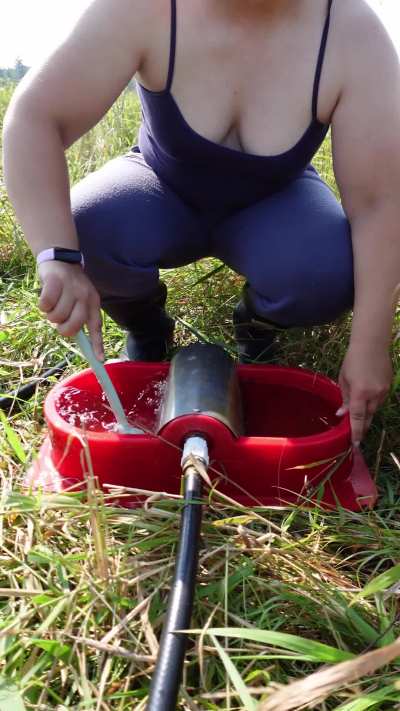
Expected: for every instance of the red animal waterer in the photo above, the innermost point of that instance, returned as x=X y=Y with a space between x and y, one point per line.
x=272 y=432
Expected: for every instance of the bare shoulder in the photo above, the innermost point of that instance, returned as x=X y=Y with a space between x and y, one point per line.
x=79 y=81
x=148 y=18
x=135 y=22
x=366 y=49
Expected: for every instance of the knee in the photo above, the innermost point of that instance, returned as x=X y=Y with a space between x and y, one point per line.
x=105 y=239
x=107 y=208
x=313 y=300
x=90 y=219
x=322 y=297
x=96 y=215
x=307 y=292
x=301 y=269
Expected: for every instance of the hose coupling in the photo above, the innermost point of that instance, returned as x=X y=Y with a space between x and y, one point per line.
x=195 y=447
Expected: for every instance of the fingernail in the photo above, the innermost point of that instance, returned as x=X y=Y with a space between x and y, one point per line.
x=340 y=412
x=357 y=444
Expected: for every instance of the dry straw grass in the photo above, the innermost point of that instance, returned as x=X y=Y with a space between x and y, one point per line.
x=83 y=585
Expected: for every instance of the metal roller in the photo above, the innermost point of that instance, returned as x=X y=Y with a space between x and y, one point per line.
x=202 y=380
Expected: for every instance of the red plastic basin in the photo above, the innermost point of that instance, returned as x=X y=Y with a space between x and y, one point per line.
x=294 y=448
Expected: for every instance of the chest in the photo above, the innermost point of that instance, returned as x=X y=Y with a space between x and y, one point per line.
x=244 y=86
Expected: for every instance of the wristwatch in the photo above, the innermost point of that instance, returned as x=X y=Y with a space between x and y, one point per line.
x=61 y=254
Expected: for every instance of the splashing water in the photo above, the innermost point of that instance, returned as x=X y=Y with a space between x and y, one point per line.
x=91 y=411
x=146 y=408
x=106 y=383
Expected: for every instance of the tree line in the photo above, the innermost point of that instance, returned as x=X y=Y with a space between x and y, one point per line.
x=15 y=73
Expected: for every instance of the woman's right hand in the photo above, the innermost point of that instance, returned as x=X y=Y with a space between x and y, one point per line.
x=69 y=300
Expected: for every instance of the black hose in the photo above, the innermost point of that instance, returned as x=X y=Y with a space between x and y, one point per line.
x=26 y=391
x=168 y=672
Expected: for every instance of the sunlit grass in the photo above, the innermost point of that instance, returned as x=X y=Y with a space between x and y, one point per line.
x=79 y=624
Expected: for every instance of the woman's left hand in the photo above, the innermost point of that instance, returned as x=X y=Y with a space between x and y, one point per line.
x=365 y=379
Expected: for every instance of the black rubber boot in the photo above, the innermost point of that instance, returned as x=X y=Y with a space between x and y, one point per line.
x=255 y=336
x=150 y=329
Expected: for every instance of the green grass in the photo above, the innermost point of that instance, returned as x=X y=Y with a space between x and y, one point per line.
x=83 y=586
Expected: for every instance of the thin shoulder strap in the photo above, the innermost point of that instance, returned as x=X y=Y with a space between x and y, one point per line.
x=320 y=62
x=172 y=50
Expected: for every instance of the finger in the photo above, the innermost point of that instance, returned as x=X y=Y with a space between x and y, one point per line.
x=50 y=294
x=94 y=323
x=63 y=309
x=372 y=407
x=380 y=399
x=344 y=408
x=368 y=423
x=75 y=322
x=358 y=416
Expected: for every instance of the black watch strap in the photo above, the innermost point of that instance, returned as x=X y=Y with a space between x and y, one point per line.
x=61 y=254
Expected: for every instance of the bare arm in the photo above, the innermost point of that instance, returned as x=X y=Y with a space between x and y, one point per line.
x=56 y=104
x=53 y=106
x=366 y=151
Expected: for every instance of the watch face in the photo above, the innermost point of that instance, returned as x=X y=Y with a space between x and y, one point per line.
x=67 y=255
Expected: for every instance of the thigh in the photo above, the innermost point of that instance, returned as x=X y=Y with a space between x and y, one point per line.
x=294 y=248
x=129 y=223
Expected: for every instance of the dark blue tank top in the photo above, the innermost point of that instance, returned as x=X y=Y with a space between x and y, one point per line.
x=210 y=176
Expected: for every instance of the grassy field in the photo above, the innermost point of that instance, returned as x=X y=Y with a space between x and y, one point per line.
x=83 y=587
